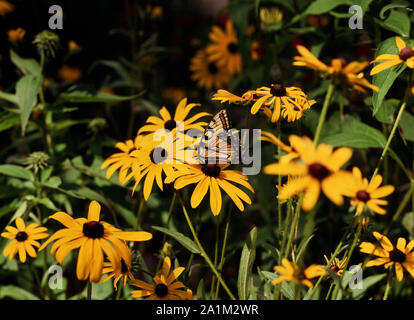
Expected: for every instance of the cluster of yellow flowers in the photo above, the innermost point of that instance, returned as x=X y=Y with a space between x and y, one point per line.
x=215 y=65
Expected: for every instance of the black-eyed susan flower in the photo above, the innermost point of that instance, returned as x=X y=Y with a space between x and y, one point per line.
x=278 y=97
x=387 y=60
x=289 y=271
x=24 y=239
x=213 y=177
x=158 y=158
x=180 y=119
x=336 y=265
x=206 y=73
x=401 y=256
x=225 y=48
x=15 y=35
x=345 y=74
x=117 y=270
x=123 y=160
x=5 y=7
x=93 y=238
x=364 y=193
x=318 y=168
x=165 y=286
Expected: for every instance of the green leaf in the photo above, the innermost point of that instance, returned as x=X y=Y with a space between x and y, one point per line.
x=9 y=97
x=355 y=134
x=182 y=239
x=78 y=95
x=27 y=66
x=386 y=113
x=17 y=293
x=245 y=280
x=384 y=79
x=368 y=283
x=27 y=89
x=16 y=171
x=407 y=125
x=322 y=6
x=394 y=4
x=398 y=22
x=8 y=120
x=408 y=223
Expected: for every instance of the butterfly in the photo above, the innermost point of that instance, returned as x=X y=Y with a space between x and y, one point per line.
x=220 y=141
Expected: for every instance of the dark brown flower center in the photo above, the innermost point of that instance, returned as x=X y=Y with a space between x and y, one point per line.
x=124 y=267
x=397 y=256
x=170 y=124
x=161 y=290
x=406 y=53
x=212 y=68
x=334 y=268
x=211 y=170
x=318 y=171
x=363 y=196
x=278 y=90
x=158 y=155
x=232 y=47
x=21 y=236
x=93 y=229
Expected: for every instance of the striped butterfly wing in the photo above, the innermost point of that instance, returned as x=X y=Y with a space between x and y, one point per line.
x=218 y=143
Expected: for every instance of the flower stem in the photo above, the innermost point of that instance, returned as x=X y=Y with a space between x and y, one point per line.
x=324 y=111
x=223 y=249
x=89 y=292
x=202 y=251
x=388 y=287
x=293 y=226
x=387 y=145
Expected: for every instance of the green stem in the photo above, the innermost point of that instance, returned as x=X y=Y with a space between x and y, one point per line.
x=120 y=288
x=387 y=145
x=293 y=226
x=202 y=251
x=223 y=249
x=329 y=291
x=324 y=111
x=140 y=209
x=388 y=287
x=285 y=231
x=89 y=292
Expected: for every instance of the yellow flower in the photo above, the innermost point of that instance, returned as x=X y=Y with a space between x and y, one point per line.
x=405 y=55
x=225 y=48
x=213 y=177
x=24 y=239
x=157 y=157
x=69 y=74
x=364 y=193
x=289 y=271
x=345 y=74
x=5 y=7
x=117 y=270
x=270 y=137
x=207 y=73
x=123 y=160
x=281 y=98
x=15 y=35
x=92 y=237
x=165 y=287
x=318 y=168
x=180 y=118
x=336 y=265
x=400 y=256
